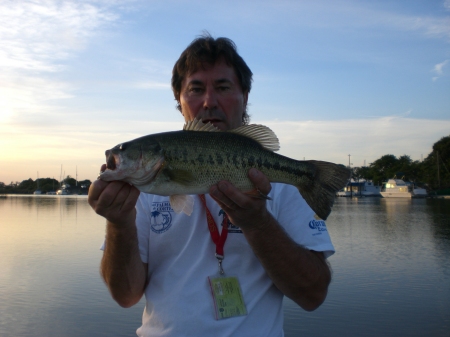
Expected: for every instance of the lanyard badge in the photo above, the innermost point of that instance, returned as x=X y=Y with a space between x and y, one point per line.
x=226 y=291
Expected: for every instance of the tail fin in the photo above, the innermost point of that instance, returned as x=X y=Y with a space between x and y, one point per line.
x=329 y=179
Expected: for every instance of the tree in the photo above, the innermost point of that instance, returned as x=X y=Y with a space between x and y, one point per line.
x=384 y=168
x=437 y=165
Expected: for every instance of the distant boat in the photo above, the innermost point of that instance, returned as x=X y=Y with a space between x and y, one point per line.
x=397 y=188
x=364 y=188
x=62 y=191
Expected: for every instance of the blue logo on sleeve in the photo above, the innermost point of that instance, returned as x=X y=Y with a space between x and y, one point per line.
x=161 y=217
x=318 y=225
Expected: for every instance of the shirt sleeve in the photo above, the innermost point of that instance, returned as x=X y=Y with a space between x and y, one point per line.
x=299 y=220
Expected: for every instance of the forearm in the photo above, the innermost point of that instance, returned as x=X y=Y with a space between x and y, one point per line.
x=122 y=268
x=300 y=274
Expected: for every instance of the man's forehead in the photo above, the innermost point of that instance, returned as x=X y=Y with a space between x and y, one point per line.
x=218 y=72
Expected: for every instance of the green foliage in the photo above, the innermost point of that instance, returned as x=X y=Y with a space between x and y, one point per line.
x=425 y=173
x=437 y=165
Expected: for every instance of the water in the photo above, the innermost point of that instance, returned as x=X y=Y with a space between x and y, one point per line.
x=391 y=272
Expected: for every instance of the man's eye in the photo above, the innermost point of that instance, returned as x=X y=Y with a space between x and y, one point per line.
x=224 y=88
x=195 y=90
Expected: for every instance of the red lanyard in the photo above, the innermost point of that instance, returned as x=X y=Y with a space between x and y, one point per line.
x=218 y=239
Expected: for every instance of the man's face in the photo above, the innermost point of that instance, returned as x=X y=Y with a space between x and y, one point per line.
x=214 y=95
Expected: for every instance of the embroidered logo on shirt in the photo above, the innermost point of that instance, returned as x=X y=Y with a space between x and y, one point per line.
x=161 y=217
x=231 y=228
x=318 y=225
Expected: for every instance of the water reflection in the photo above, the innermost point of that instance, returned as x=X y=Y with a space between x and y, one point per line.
x=391 y=272
x=49 y=279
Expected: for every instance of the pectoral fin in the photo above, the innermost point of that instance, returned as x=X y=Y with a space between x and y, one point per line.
x=182 y=203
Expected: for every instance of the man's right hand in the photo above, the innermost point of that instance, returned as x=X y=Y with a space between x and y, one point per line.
x=114 y=200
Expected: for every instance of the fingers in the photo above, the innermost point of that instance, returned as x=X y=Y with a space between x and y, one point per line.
x=227 y=195
x=113 y=200
x=116 y=194
x=95 y=190
x=231 y=197
x=260 y=181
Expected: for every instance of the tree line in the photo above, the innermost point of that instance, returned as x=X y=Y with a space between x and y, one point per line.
x=45 y=185
x=431 y=173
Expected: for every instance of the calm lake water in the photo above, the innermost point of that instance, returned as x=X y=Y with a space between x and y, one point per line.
x=391 y=272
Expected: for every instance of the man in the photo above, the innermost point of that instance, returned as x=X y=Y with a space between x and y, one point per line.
x=270 y=248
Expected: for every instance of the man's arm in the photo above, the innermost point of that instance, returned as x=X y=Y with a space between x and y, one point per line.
x=122 y=268
x=299 y=273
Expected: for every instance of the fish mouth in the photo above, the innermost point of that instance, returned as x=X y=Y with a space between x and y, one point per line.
x=111 y=160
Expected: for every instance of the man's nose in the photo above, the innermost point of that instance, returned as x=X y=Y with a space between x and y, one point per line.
x=210 y=99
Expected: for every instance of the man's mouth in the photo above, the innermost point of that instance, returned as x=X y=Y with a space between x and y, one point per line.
x=216 y=122
x=212 y=121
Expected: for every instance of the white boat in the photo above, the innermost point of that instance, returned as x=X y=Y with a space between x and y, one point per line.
x=397 y=188
x=62 y=191
x=363 y=188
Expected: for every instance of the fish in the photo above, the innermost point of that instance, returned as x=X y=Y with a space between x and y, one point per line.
x=184 y=163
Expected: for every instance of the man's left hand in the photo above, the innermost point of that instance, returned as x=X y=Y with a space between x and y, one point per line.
x=244 y=210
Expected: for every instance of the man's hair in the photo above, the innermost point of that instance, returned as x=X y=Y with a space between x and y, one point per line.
x=206 y=50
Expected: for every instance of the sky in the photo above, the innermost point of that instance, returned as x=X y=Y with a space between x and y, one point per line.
x=337 y=80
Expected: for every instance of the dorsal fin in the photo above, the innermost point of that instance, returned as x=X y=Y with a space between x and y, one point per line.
x=198 y=125
x=262 y=134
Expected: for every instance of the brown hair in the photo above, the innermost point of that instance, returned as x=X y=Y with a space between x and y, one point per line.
x=206 y=50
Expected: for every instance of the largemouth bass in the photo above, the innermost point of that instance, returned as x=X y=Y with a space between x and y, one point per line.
x=182 y=163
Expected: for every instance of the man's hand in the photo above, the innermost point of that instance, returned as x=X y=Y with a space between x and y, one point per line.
x=115 y=200
x=244 y=210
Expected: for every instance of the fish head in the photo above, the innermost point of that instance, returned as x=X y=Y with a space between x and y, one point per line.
x=137 y=161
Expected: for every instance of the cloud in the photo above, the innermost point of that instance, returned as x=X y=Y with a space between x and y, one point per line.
x=447 y=4
x=37 y=38
x=438 y=69
x=36 y=34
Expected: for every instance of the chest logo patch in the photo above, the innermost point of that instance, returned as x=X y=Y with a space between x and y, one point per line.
x=161 y=217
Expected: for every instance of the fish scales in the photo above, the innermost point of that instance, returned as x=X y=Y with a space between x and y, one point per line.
x=215 y=156
x=191 y=161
